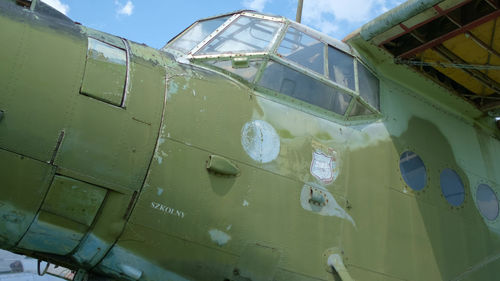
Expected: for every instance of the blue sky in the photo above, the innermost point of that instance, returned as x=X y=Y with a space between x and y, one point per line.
x=156 y=22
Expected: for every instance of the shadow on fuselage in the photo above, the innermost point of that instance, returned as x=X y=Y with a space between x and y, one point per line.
x=447 y=239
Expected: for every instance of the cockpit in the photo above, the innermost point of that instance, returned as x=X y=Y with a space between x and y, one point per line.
x=284 y=60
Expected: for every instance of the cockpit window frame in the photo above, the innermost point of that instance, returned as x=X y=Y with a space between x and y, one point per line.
x=193 y=53
x=272 y=55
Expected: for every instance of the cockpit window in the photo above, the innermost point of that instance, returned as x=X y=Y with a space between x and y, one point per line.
x=359 y=110
x=197 y=33
x=303 y=49
x=285 y=80
x=246 y=70
x=341 y=68
x=244 y=35
x=286 y=58
x=368 y=86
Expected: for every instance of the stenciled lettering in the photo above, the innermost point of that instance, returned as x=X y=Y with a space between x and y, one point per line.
x=167 y=210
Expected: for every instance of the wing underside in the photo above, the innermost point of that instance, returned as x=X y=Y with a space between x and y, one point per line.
x=454 y=42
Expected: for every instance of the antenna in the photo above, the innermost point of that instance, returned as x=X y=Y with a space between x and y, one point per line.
x=298 y=18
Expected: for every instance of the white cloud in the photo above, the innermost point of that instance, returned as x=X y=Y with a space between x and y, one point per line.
x=329 y=15
x=351 y=10
x=257 y=5
x=126 y=9
x=58 y=5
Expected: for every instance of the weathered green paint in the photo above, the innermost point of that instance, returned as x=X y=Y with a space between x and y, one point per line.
x=17 y=209
x=52 y=234
x=72 y=199
x=147 y=207
x=104 y=231
x=222 y=166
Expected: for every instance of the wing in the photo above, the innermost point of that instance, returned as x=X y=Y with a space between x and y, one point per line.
x=454 y=42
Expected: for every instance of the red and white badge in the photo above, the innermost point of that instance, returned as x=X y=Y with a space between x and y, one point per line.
x=323 y=166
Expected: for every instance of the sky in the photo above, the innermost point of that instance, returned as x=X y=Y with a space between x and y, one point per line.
x=156 y=22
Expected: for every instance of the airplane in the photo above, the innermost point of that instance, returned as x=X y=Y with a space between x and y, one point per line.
x=252 y=147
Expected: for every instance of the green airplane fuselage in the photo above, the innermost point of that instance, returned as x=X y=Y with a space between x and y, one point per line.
x=141 y=167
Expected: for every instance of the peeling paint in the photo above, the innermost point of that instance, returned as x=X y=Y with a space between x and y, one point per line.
x=159 y=155
x=159 y=158
x=15 y=223
x=219 y=237
x=173 y=89
x=229 y=227
x=260 y=141
x=330 y=207
x=245 y=203
x=160 y=191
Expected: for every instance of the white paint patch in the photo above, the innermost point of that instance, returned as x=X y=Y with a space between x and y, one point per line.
x=159 y=159
x=260 y=141
x=219 y=237
x=330 y=207
x=229 y=227
x=173 y=89
x=160 y=191
x=245 y=203
x=159 y=156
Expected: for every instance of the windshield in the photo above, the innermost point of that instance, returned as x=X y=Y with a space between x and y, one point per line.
x=196 y=34
x=303 y=49
x=244 y=35
x=284 y=59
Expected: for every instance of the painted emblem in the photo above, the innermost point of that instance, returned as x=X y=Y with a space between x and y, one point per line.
x=324 y=163
x=260 y=141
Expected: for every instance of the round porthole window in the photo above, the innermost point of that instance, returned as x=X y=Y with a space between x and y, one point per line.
x=487 y=202
x=413 y=170
x=452 y=187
